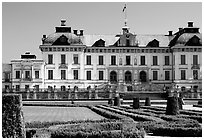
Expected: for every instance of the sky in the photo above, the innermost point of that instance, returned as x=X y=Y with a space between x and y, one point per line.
x=24 y=24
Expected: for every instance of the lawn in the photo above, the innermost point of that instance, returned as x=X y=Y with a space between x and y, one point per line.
x=42 y=114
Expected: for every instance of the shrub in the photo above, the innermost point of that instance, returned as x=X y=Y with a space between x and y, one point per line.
x=175 y=129
x=136 y=103
x=132 y=115
x=12 y=116
x=147 y=101
x=48 y=124
x=190 y=112
x=106 y=113
x=89 y=127
x=172 y=107
x=178 y=132
x=96 y=130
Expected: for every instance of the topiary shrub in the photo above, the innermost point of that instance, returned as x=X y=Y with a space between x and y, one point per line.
x=172 y=106
x=136 y=103
x=117 y=101
x=12 y=116
x=147 y=101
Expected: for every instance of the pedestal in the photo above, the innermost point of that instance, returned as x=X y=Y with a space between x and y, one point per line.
x=27 y=95
x=48 y=95
x=34 y=96
x=55 y=96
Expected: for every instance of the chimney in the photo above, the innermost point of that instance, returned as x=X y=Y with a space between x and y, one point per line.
x=170 y=33
x=75 y=32
x=81 y=32
x=190 y=24
x=43 y=39
x=63 y=22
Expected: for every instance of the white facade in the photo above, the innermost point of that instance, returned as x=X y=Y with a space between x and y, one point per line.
x=27 y=73
x=74 y=59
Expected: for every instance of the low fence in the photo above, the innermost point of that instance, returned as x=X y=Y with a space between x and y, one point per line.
x=101 y=95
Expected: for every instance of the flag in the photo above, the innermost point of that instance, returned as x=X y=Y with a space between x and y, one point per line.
x=124 y=8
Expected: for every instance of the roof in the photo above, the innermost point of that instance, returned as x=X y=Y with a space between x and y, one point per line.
x=89 y=40
x=184 y=38
x=143 y=40
x=72 y=38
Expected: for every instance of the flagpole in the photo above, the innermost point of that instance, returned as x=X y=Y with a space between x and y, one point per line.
x=125 y=14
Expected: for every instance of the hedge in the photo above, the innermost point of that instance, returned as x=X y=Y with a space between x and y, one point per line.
x=107 y=114
x=37 y=124
x=12 y=116
x=187 y=128
x=132 y=115
x=89 y=127
x=104 y=130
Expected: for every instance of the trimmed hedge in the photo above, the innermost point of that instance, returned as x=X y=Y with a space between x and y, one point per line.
x=37 y=124
x=107 y=114
x=132 y=115
x=12 y=116
x=185 y=128
x=97 y=130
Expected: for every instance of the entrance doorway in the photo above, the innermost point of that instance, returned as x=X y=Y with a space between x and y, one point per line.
x=128 y=77
x=143 y=76
x=113 y=77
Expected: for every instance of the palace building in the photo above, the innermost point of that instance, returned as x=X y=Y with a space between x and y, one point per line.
x=129 y=61
x=71 y=58
x=27 y=73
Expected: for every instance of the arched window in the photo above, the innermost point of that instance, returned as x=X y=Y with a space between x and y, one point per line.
x=128 y=76
x=143 y=76
x=113 y=77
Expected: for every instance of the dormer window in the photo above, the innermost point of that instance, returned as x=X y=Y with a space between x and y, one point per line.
x=99 y=43
x=62 y=40
x=153 y=43
x=194 y=41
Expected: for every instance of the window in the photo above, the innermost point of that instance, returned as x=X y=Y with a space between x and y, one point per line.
x=63 y=58
x=50 y=59
x=155 y=60
x=183 y=75
x=75 y=57
x=27 y=74
x=142 y=60
x=50 y=74
x=183 y=59
x=27 y=87
x=37 y=74
x=63 y=88
x=63 y=74
x=167 y=75
x=100 y=75
x=17 y=87
x=6 y=76
x=100 y=58
x=88 y=60
x=127 y=60
x=166 y=62
x=17 y=74
x=37 y=88
x=195 y=74
x=127 y=42
x=155 y=75
x=195 y=59
x=88 y=75
x=76 y=75
x=113 y=60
